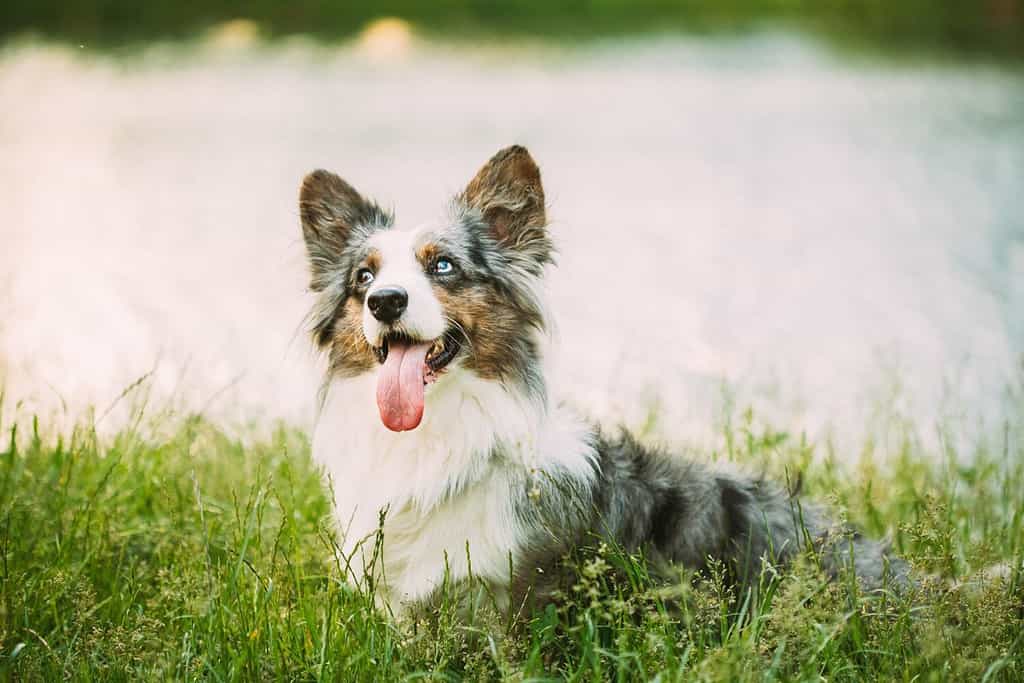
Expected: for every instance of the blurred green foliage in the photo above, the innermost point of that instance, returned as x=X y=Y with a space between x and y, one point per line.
x=983 y=27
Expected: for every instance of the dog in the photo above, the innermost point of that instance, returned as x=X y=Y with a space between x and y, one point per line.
x=449 y=455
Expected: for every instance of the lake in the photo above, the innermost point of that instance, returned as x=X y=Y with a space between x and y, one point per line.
x=835 y=241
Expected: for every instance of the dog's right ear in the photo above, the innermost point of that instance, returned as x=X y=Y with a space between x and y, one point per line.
x=330 y=209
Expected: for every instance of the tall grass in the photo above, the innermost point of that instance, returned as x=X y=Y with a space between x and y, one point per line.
x=175 y=551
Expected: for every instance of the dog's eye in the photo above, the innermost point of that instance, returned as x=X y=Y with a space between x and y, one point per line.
x=364 y=276
x=444 y=267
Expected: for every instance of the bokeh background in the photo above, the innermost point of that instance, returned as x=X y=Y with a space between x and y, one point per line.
x=810 y=209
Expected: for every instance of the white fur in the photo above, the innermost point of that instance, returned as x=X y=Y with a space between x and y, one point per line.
x=424 y=317
x=443 y=493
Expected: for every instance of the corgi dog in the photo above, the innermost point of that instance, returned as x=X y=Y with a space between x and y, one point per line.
x=449 y=453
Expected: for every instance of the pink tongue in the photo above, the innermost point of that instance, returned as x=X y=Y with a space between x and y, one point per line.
x=400 y=386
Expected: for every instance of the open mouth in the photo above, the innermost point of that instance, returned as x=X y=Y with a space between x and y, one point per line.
x=440 y=353
x=408 y=365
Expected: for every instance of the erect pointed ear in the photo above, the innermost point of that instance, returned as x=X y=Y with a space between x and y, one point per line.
x=330 y=210
x=508 y=192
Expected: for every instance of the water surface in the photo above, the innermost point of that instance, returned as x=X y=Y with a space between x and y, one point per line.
x=830 y=240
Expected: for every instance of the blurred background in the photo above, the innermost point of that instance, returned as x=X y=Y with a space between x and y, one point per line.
x=811 y=209
x=981 y=27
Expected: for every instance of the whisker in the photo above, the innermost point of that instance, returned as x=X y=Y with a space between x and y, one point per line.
x=465 y=335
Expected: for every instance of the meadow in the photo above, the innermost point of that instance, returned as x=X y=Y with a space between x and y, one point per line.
x=154 y=543
x=173 y=548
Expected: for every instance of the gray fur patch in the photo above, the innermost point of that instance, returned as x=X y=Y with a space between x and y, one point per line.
x=684 y=513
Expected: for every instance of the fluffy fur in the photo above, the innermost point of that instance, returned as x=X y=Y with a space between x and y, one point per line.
x=498 y=479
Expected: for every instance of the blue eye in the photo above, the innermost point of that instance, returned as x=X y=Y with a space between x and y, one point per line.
x=443 y=267
x=364 y=276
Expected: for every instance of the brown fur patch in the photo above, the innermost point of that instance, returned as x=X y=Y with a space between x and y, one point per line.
x=489 y=323
x=350 y=353
x=372 y=260
x=427 y=252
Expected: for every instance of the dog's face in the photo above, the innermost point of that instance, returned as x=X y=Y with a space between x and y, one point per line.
x=412 y=304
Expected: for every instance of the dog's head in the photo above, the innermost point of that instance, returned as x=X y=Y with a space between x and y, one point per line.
x=412 y=304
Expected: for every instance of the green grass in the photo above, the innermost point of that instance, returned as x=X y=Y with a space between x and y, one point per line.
x=172 y=550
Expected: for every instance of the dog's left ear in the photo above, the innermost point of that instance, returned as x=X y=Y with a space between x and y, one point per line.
x=507 y=191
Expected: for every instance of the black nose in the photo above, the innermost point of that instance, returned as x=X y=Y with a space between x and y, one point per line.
x=388 y=303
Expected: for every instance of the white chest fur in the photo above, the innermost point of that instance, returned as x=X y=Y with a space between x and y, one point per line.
x=447 y=499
